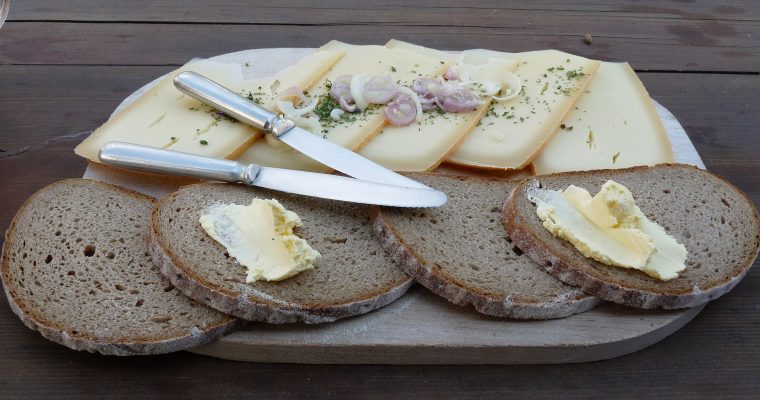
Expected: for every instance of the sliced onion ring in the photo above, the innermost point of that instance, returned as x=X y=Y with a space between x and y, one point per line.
x=401 y=111
x=428 y=102
x=452 y=73
x=415 y=99
x=357 y=90
x=345 y=106
x=460 y=100
x=292 y=93
x=379 y=89
x=511 y=87
x=423 y=86
x=289 y=110
x=341 y=87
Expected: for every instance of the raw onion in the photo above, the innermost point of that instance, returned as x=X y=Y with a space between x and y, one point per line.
x=379 y=89
x=357 y=88
x=460 y=100
x=416 y=99
x=401 y=111
x=336 y=113
x=511 y=87
x=289 y=110
x=345 y=106
x=341 y=88
x=452 y=73
x=292 y=93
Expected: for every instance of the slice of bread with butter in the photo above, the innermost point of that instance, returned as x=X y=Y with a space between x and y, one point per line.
x=353 y=275
x=76 y=268
x=717 y=224
x=461 y=252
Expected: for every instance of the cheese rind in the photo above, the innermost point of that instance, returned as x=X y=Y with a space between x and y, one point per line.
x=513 y=133
x=401 y=65
x=613 y=125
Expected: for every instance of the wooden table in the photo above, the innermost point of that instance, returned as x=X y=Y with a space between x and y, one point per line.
x=65 y=65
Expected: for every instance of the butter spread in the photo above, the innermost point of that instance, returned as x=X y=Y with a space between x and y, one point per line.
x=260 y=236
x=610 y=228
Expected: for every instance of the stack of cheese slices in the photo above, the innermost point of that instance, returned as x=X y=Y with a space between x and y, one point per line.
x=100 y=268
x=571 y=113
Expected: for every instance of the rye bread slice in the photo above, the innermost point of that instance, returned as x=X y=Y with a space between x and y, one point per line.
x=461 y=252
x=716 y=222
x=76 y=267
x=353 y=276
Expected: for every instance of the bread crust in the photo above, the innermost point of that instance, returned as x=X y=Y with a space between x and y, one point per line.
x=83 y=340
x=256 y=306
x=413 y=264
x=573 y=273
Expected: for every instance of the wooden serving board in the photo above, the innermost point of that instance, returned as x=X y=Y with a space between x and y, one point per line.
x=420 y=327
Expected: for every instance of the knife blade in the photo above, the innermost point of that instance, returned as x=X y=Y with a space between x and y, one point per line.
x=326 y=152
x=150 y=159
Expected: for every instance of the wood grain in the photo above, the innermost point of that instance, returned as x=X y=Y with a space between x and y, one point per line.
x=393 y=11
x=648 y=44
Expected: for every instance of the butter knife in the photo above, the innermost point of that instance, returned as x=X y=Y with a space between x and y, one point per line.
x=151 y=159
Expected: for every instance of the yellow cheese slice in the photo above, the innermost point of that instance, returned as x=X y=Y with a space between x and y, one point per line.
x=164 y=117
x=401 y=65
x=422 y=146
x=163 y=114
x=511 y=134
x=613 y=125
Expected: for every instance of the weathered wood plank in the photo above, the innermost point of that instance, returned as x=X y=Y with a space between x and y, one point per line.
x=379 y=11
x=649 y=44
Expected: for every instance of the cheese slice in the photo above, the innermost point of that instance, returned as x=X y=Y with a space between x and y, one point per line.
x=613 y=125
x=163 y=114
x=512 y=133
x=402 y=65
x=422 y=145
x=164 y=117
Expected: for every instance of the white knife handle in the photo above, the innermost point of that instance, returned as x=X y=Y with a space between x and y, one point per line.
x=160 y=161
x=203 y=89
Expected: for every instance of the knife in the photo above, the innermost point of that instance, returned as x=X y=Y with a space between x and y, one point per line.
x=328 y=153
x=151 y=159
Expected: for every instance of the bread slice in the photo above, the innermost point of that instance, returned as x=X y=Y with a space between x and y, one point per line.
x=353 y=276
x=716 y=222
x=76 y=267
x=461 y=252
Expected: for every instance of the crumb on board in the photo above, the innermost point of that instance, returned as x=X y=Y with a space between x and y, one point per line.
x=587 y=38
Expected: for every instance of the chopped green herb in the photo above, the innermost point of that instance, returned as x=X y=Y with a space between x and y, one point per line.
x=203 y=142
x=574 y=74
x=324 y=107
x=393 y=69
x=173 y=138
x=615 y=157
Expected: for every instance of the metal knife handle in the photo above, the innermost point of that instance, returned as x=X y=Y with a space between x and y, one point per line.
x=151 y=159
x=203 y=89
